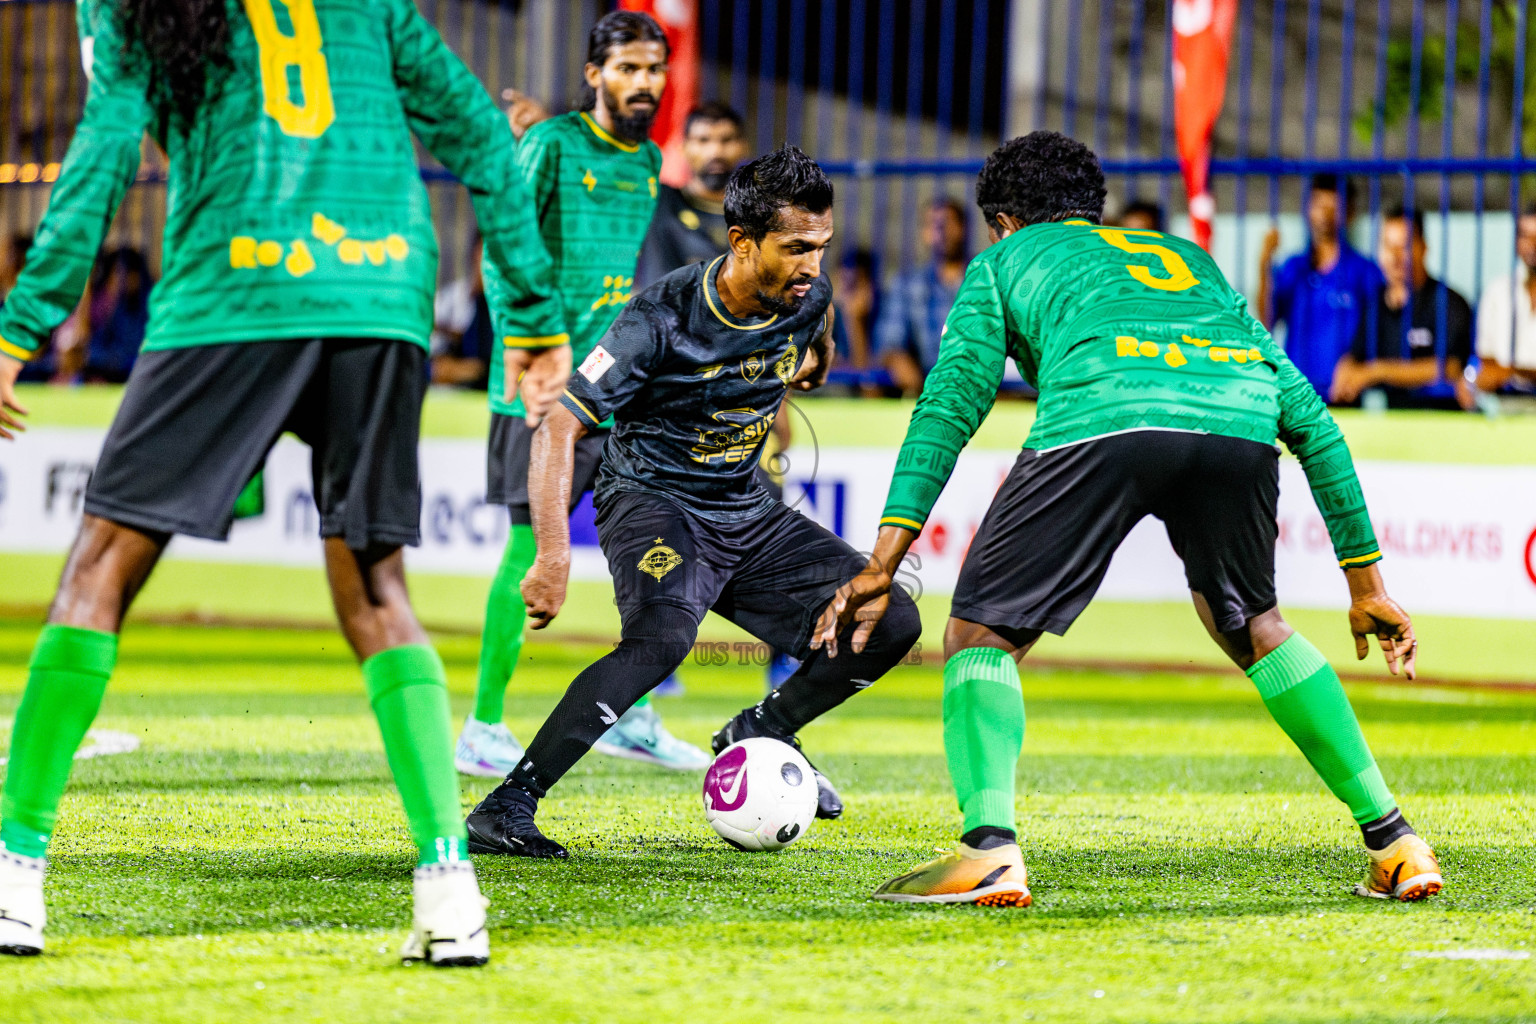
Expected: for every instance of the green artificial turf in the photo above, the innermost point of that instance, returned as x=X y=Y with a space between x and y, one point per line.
x=249 y=863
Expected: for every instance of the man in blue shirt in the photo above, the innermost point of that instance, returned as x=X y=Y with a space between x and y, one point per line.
x=913 y=309
x=1322 y=293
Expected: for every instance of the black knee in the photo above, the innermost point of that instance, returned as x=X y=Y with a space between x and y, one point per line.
x=656 y=639
x=901 y=627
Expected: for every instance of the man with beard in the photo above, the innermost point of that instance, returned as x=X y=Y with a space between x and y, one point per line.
x=689 y=226
x=692 y=374
x=593 y=176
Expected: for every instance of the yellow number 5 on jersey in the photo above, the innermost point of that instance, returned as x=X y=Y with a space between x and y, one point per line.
x=313 y=115
x=1179 y=277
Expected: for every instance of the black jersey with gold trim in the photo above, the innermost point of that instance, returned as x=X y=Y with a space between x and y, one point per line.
x=693 y=392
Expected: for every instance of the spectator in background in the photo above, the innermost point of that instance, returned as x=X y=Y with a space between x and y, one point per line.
x=1143 y=215
x=1506 y=316
x=1320 y=294
x=913 y=309
x=858 y=305
x=689 y=223
x=101 y=340
x=461 y=331
x=1403 y=355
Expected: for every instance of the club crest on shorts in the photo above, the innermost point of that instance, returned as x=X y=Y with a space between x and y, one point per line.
x=660 y=560
x=785 y=367
x=752 y=367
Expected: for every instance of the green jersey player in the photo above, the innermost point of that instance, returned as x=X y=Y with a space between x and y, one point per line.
x=1159 y=395
x=593 y=176
x=297 y=295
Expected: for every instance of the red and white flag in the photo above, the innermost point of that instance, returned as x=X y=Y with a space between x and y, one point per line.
x=1202 y=36
x=680 y=20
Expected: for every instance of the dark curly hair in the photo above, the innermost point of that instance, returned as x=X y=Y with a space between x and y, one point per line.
x=182 y=44
x=758 y=190
x=1041 y=177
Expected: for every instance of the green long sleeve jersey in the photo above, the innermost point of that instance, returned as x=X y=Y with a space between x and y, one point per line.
x=1119 y=330
x=594 y=195
x=295 y=208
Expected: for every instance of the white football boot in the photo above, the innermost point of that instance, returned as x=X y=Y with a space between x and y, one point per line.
x=22 y=916
x=489 y=751
x=448 y=918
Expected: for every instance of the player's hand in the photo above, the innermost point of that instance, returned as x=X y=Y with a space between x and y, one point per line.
x=539 y=377
x=1373 y=613
x=1271 y=244
x=523 y=111
x=10 y=409
x=861 y=600
x=544 y=589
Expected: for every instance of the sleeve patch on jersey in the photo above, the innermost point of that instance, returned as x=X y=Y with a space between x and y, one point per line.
x=596 y=364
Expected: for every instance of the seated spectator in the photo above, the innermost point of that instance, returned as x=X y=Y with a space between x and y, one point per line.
x=1506 y=317
x=462 y=334
x=1403 y=355
x=1143 y=215
x=858 y=305
x=913 y=309
x=100 y=342
x=1319 y=294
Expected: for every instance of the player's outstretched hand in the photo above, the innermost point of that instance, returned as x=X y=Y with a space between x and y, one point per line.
x=539 y=376
x=10 y=409
x=544 y=589
x=863 y=600
x=1373 y=613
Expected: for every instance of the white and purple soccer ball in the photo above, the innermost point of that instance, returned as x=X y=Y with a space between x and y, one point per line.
x=760 y=794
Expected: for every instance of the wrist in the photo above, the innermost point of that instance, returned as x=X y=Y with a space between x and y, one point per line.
x=1364 y=581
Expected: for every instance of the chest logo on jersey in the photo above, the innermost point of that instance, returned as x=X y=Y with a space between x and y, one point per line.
x=690 y=219
x=747 y=428
x=597 y=363
x=784 y=369
x=753 y=366
x=588 y=180
x=660 y=560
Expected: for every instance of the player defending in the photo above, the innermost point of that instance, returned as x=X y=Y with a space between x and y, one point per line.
x=299 y=268
x=692 y=373
x=1159 y=395
x=592 y=173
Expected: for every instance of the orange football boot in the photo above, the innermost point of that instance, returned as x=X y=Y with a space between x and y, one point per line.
x=992 y=878
x=1406 y=870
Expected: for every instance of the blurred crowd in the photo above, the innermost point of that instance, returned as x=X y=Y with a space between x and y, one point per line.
x=1365 y=329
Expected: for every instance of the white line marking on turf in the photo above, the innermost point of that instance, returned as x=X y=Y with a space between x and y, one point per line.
x=105 y=742
x=1473 y=954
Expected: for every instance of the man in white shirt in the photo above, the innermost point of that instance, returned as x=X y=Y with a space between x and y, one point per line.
x=1506 y=316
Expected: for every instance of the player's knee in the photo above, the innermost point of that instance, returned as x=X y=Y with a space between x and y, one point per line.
x=658 y=637
x=901 y=627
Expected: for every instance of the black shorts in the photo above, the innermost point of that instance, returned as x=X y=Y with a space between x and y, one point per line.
x=1046 y=542
x=506 y=465
x=771 y=575
x=196 y=424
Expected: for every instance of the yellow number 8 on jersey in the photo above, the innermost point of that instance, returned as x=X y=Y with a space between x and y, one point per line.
x=1179 y=276
x=279 y=52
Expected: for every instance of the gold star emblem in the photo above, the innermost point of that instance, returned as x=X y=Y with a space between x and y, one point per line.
x=660 y=560
x=589 y=181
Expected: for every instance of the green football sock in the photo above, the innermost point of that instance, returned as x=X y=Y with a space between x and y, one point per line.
x=68 y=677
x=501 y=641
x=1304 y=695
x=983 y=733
x=409 y=694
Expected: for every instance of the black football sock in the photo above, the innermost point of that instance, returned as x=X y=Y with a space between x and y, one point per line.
x=822 y=683
x=1385 y=830
x=989 y=837
x=656 y=640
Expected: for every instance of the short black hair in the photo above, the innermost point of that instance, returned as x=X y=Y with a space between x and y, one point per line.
x=1326 y=181
x=714 y=110
x=1041 y=177
x=1147 y=208
x=758 y=190
x=1416 y=217
x=952 y=204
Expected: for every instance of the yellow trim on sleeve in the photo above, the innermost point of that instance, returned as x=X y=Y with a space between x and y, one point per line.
x=597 y=129
x=910 y=524
x=1347 y=562
x=542 y=341
x=579 y=404
x=15 y=351
x=709 y=277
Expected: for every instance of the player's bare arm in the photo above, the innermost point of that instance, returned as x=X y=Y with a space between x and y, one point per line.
x=10 y=408
x=538 y=376
x=551 y=464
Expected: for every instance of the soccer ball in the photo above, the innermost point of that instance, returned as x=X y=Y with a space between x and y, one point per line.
x=760 y=794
